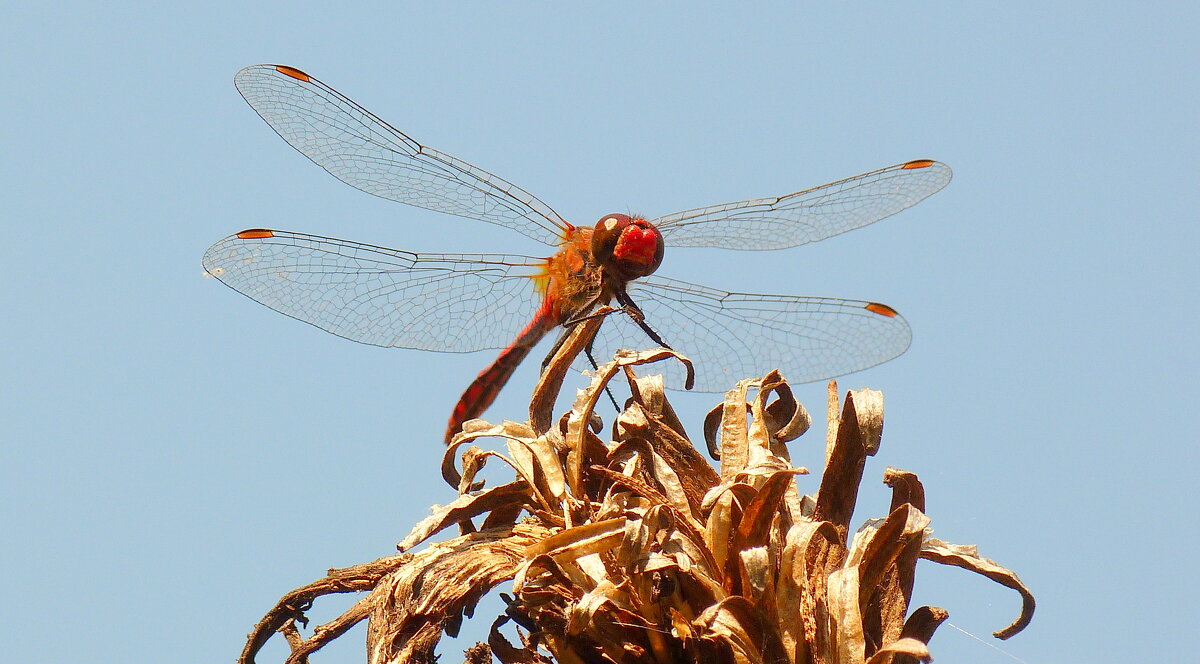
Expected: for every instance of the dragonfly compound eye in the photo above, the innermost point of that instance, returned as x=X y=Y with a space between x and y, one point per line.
x=631 y=247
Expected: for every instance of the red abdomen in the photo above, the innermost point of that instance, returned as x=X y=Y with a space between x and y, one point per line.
x=483 y=390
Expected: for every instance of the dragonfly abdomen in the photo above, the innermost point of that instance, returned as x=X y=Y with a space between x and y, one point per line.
x=483 y=390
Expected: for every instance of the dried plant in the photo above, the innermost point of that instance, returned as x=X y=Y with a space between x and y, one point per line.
x=637 y=550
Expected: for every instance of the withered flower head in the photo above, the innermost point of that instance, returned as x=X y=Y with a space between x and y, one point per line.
x=634 y=549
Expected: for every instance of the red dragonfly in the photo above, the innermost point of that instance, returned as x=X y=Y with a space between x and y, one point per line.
x=462 y=303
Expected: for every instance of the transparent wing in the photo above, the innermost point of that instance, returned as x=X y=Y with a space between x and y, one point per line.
x=380 y=296
x=731 y=336
x=809 y=215
x=365 y=152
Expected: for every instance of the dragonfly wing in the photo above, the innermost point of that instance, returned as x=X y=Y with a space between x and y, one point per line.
x=365 y=152
x=380 y=296
x=809 y=215
x=731 y=336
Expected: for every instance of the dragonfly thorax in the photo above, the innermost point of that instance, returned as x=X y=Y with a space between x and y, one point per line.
x=628 y=247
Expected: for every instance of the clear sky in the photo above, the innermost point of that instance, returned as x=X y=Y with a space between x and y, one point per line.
x=174 y=457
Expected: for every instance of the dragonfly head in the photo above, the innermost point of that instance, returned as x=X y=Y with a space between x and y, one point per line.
x=630 y=246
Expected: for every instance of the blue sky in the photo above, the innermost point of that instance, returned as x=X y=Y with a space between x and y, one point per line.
x=175 y=457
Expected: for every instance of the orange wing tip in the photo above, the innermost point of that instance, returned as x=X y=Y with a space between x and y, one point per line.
x=881 y=309
x=293 y=72
x=255 y=234
x=918 y=163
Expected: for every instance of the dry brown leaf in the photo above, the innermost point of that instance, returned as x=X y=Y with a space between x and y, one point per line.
x=581 y=540
x=868 y=406
x=649 y=393
x=582 y=612
x=906 y=488
x=695 y=476
x=466 y=507
x=733 y=620
x=734 y=440
x=921 y=625
x=846 y=622
x=967 y=557
x=912 y=648
x=843 y=473
x=481 y=429
x=884 y=550
x=541 y=405
x=754 y=528
x=669 y=487
x=414 y=602
x=789 y=418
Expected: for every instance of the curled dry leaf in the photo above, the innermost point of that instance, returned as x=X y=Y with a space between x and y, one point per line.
x=634 y=549
x=967 y=557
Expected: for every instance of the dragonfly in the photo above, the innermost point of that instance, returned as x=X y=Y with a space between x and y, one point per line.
x=454 y=302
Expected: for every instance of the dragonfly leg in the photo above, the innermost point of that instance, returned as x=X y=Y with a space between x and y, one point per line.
x=586 y=317
x=586 y=351
x=553 y=351
x=628 y=305
x=586 y=313
x=592 y=359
